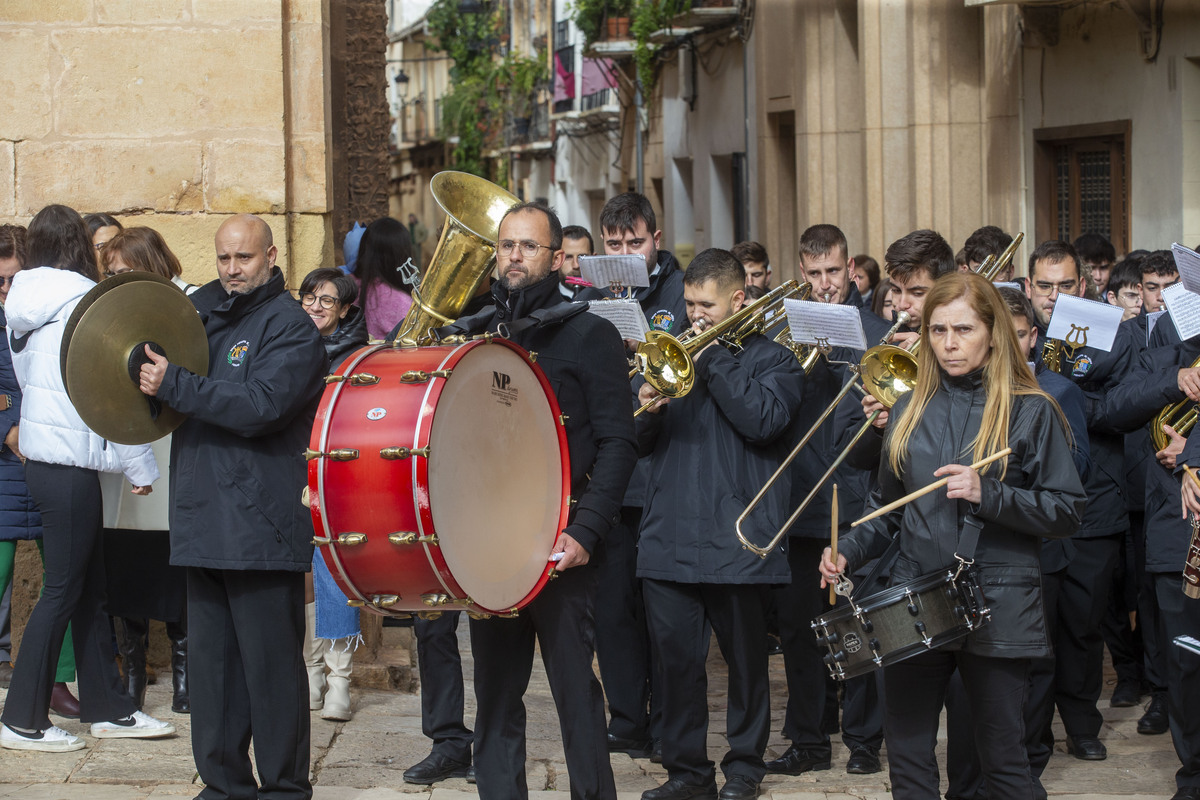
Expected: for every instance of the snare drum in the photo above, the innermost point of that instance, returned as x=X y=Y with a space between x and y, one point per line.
x=900 y=622
x=439 y=478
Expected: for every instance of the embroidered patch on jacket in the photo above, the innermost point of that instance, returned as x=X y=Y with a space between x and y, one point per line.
x=1082 y=366
x=237 y=353
x=662 y=320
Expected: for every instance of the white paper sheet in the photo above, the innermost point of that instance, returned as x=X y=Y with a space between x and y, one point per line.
x=1081 y=322
x=825 y=324
x=1184 y=308
x=604 y=271
x=1187 y=261
x=627 y=315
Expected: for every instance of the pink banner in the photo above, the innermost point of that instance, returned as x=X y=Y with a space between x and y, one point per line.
x=564 y=81
x=598 y=74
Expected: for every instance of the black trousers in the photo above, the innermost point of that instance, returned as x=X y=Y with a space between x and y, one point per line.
x=1078 y=646
x=622 y=640
x=1180 y=616
x=799 y=603
x=915 y=691
x=69 y=499
x=248 y=682
x=962 y=757
x=1124 y=642
x=678 y=614
x=440 y=669
x=560 y=620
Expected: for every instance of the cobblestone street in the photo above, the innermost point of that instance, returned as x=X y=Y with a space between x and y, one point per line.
x=364 y=759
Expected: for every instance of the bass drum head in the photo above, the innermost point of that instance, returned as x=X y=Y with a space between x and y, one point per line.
x=496 y=481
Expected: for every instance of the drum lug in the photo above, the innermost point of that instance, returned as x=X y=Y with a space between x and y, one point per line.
x=435 y=600
x=320 y=540
x=351 y=539
x=385 y=600
x=512 y=614
x=428 y=615
x=532 y=360
x=457 y=338
x=479 y=615
x=355 y=603
x=401 y=453
x=412 y=537
x=357 y=379
x=562 y=420
x=420 y=376
x=341 y=454
x=305 y=499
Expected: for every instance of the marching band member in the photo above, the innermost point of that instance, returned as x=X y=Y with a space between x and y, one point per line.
x=974 y=396
x=583 y=359
x=711 y=449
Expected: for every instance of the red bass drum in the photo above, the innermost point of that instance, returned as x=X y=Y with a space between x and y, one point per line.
x=439 y=478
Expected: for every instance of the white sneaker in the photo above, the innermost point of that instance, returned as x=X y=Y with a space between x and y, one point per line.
x=137 y=726
x=51 y=740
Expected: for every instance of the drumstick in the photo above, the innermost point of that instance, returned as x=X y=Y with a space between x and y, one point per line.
x=1191 y=474
x=833 y=543
x=879 y=512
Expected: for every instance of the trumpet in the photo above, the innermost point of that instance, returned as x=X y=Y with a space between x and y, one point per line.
x=666 y=362
x=889 y=371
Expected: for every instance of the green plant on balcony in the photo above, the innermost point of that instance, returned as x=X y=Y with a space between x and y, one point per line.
x=591 y=16
x=484 y=85
x=649 y=16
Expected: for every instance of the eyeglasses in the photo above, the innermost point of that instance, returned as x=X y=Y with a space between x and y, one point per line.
x=1129 y=296
x=308 y=298
x=528 y=249
x=1045 y=288
x=100 y=245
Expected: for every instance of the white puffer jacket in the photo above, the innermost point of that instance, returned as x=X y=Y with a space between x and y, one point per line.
x=38 y=306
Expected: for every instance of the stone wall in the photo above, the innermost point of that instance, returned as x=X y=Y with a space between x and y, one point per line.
x=173 y=114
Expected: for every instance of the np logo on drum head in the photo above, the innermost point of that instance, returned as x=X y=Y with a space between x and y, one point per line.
x=502 y=388
x=376 y=414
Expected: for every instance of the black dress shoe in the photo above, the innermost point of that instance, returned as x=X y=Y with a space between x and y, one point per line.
x=1126 y=695
x=1154 y=721
x=656 y=751
x=1086 y=748
x=634 y=748
x=739 y=787
x=796 y=761
x=435 y=767
x=774 y=645
x=676 y=789
x=471 y=774
x=863 y=761
x=1187 y=793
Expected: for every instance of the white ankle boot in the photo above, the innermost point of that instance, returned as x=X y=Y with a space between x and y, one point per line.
x=337 y=696
x=314 y=661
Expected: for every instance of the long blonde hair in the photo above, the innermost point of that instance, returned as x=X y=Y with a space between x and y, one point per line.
x=1005 y=375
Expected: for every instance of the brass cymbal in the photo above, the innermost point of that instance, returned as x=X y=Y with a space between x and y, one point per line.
x=102 y=349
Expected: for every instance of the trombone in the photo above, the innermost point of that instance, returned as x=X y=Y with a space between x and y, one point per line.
x=890 y=371
x=666 y=362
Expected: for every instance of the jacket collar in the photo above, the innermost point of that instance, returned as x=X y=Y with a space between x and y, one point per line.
x=530 y=298
x=213 y=299
x=971 y=382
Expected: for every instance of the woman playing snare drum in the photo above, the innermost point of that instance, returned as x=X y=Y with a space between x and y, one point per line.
x=974 y=396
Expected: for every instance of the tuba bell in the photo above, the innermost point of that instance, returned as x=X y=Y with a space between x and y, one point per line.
x=465 y=254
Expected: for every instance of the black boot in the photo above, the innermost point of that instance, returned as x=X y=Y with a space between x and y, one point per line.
x=131 y=641
x=177 y=633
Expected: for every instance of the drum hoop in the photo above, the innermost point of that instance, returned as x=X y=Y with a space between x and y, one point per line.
x=327 y=405
x=421 y=465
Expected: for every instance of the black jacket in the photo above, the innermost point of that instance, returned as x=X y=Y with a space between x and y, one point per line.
x=1058 y=552
x=1040 y=496
x=237 y=463
x=710 y=451
x=1131 y=406
x=584 y=360
x=350 y=336
x=662 y=303
x=1095 y=372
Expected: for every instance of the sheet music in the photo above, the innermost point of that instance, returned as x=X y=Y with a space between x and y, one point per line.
x=825 y=324
x=627 y=315
x=1184 y=308
x=1187 y=643
x=1187 y=261
x=603 y=271
x=1080 y=322
x=1152 y=320
x=1008 y=285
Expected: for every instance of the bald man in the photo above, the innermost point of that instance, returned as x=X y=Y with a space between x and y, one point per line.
x=237 y=524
